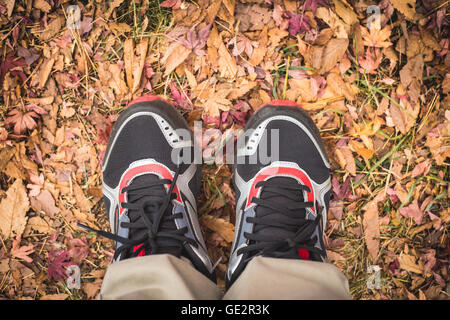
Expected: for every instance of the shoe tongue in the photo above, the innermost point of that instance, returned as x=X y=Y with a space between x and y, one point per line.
x=155 y=194
x=282 y=201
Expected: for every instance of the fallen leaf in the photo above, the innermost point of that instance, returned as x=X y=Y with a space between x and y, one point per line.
x=56 y=296
x=407 y=7
x=346 y=160
x=83 y=203
x=371 y=227
x=408 y=263
x=21 y=120
x=56 y=263
x=13 y=210
x=174 y=57
x=44 y=202
x=375 y=37
x=221 y=226
x=421 y=169
x=332 y=53
x=42 y=5
x=413 y=211
x=21 y=252
x=91 y=288
x=345 y=11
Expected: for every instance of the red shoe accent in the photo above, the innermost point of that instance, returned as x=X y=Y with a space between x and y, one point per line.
x=153 y=168
x=281 y=103
x=303 y=253
x=146 y=98
x=135 y=248
x=270 y=172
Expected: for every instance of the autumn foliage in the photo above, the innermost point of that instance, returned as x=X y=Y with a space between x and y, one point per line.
x=373 y=75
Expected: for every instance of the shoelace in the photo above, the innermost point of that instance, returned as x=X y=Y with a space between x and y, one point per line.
x=291 y=220
x=153 y=238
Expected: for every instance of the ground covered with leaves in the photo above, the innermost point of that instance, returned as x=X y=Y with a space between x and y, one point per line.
x=374 y=76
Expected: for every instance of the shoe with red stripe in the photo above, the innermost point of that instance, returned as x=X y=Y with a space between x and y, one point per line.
x=282 y=185
x=149 y=194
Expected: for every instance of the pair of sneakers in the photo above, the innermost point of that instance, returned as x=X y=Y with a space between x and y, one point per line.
x=150 y=192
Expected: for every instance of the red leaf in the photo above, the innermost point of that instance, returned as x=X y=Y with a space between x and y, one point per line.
x=56 y=263
x=174 y=4
x=413 y=211
x=180 y=98
x=79 y=250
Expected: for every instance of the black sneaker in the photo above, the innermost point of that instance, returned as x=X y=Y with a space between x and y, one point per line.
x=150 y=198
x=282 y=195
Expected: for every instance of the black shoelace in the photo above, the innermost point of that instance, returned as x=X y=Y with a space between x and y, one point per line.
x=290 y=230
x=144 y=231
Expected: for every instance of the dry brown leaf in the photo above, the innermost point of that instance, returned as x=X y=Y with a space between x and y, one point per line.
x=128 y=55
x=242 y=86
x=44 y=202
x=346 y=160
x=9 y=4
x=339 y=87
x=275 y=36
x=56 y=296
x=13 y=210
x=340 y=29
x=371 y=226
x=51 y=30
x=332 y=53
x=120 y=27
x=42 y=5
x=345 y=11
x=227 y=64
x=408 y=263
x=91 y=288
x=175 y=56
x=38 y=224
x=221 y=226
x=376 y=37
x=45 y=71
x=407 y=7
x=83 y=203
x=259 y=52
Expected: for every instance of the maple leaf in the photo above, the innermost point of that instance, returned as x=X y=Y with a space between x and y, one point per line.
x=21 y=252
x=241 y=44
x=79 y=250
x=376 y=37
x=56 y=263
x=197 y=40
x=37 y=182
x=371 y=62
x=21 y=121
x=298 y=22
